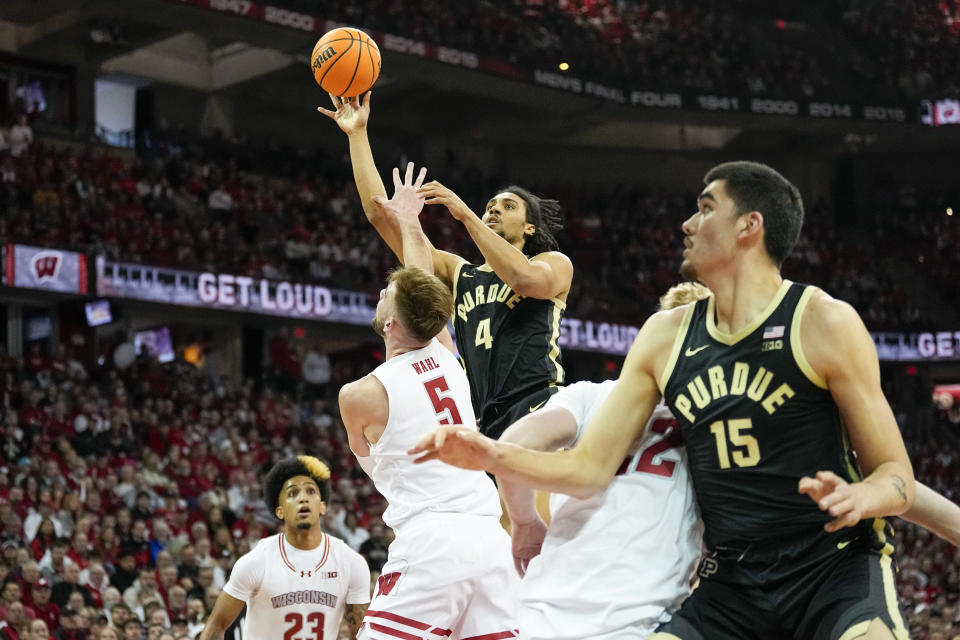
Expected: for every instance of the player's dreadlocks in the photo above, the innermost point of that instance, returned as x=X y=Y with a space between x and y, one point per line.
x=542 y=213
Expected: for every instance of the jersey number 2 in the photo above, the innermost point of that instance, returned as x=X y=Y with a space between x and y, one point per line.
x=444 y=405
x=671 y=440
x=316 y=618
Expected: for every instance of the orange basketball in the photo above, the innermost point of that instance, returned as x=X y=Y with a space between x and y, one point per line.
x=346 y=62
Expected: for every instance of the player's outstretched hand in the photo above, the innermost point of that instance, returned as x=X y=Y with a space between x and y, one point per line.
x=351 y=114
x=456 y=445
x=436 y=193
x=405 y=204
x=526 y=540
x=836 y=496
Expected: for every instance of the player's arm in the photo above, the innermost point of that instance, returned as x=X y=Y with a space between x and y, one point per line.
x=353 y=617
x=351 y=115
x=545 y=430
x=839 y=349
x=225 y=611
x=588 y=467
x=545 y=276
x=364 y=409
x=936 y=513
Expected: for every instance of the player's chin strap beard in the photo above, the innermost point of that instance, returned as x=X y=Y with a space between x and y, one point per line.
x=304 y=526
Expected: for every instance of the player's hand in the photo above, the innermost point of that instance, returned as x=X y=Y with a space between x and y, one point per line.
x=405 y=204
x=836 y=496
x=351 y=114
x=436 y=193
x=526 y=540
x=456 y=445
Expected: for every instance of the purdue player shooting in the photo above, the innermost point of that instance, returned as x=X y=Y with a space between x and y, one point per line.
x=507 y=311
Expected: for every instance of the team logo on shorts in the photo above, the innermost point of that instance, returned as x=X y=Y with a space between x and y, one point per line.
x=708 y=567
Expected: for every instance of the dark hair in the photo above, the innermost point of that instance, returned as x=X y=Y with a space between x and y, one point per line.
x=290 y=467
x=756 y=187
x=424 y=303
x=544 y=215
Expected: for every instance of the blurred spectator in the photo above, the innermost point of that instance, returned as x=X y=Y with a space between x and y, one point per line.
x=21 y=136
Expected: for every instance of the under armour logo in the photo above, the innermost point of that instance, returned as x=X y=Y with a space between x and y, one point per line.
x=306 y=574
x=45 y=265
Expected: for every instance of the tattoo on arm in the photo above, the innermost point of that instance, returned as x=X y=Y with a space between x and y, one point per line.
x=353 y=616
x=900 y=485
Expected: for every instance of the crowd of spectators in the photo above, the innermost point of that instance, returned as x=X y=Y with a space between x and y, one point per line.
x=913 y=45
x=126 y=495
x=189 y=211
x=904 y=49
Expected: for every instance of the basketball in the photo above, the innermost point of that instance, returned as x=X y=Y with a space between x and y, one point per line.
x=345 y=62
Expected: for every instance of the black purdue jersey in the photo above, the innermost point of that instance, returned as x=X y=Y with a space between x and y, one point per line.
x=755 y=418
x=508 y=342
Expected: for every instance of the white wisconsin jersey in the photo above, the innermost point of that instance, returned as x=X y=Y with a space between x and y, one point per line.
x=626 y=554
x=296 y=594
x=426 y=388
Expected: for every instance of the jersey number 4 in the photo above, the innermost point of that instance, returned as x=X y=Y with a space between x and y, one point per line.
x=444 y=405
x=316 y=619
x=646 y=462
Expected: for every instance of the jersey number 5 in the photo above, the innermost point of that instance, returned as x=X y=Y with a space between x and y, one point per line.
x=315 y=618
x=444 y=405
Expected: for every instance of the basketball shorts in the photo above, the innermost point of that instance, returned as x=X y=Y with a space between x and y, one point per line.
x=447 y=576
x=495 y=419
x=819 y=586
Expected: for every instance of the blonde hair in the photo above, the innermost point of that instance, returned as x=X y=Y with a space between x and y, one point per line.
x=424 y=303
x=315 y=467
x=683 y=293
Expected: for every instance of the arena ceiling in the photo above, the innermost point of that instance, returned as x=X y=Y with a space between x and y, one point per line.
x=164 y=43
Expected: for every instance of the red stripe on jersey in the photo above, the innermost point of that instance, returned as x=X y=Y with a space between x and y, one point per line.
x=410 y=622
x=441 y=632
x=493 y=636
x=283 y=554
x=326 y=552
x=393 y=632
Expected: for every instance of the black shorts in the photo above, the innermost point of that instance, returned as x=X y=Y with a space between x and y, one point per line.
x=496 y=418
x=819 y=586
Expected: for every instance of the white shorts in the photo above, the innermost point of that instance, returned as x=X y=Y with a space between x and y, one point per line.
x=571 y=594
x=447 y=577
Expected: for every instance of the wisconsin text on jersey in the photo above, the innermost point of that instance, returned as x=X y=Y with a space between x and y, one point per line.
x=717 y=379
x=307 y=596
x=494 y=292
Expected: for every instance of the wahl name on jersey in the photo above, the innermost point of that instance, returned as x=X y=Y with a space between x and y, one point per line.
x=736 y=381
x=306 y=596
x=494 y=292
x=425 y=365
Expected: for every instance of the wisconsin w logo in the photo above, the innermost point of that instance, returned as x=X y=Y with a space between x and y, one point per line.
x=46 y=265
x=386 y=583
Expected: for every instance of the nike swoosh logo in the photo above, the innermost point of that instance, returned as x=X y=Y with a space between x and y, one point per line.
x=842 y=545
x=467 y=275
x=692 y=352
x=537 y=406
